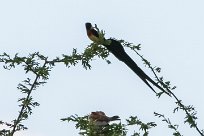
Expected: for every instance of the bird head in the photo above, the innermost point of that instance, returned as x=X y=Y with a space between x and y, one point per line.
x=96 y=35
x=88 y=26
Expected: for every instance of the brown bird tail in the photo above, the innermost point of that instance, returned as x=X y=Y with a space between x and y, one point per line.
x=114 y=118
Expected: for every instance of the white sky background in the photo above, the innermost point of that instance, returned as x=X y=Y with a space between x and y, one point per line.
x=171 y=34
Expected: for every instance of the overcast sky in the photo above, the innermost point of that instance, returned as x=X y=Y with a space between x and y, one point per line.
x=171 y=33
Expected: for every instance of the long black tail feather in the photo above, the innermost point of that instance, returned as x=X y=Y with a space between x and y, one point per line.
x=117 y=49
x=132 y=65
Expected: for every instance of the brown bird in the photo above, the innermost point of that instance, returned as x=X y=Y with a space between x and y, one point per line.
x=99 y=118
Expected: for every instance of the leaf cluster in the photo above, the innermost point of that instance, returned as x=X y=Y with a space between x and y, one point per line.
x=40 y=66
x=87 y=128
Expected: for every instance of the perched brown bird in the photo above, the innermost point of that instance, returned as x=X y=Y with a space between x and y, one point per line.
x=99 y=118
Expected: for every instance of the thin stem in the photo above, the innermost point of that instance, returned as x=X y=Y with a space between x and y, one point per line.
x=17 y=121
x=174 y=96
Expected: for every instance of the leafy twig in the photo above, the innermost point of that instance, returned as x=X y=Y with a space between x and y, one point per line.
x=170 y=125
x=189 y=110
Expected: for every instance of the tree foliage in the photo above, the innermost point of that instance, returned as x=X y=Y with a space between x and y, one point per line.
x=40 y=66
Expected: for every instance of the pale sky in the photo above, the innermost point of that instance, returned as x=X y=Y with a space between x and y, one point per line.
x=171 y=33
